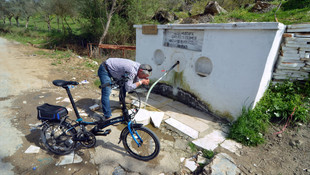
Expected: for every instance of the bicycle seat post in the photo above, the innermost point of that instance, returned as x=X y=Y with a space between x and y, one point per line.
x=72 y=102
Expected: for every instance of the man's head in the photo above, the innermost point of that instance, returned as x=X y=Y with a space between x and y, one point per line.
x=145 y=71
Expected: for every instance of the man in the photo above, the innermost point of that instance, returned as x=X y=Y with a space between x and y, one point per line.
x=116 y=67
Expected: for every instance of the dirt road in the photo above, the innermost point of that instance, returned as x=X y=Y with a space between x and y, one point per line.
x=17 y=74
x=21 y=72
x=26 y=83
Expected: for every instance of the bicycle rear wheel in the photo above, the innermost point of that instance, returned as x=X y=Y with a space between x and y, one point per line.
x=58 y=138
x=149 y=145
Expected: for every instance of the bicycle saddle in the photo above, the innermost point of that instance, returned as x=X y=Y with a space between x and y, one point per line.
x=64 y=83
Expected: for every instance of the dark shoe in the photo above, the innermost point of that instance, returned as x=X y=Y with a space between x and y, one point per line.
x=106 y=117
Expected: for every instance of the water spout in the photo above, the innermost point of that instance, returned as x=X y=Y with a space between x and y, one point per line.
x=148 y=93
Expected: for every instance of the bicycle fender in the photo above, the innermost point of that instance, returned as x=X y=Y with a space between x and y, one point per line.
x=135 y=125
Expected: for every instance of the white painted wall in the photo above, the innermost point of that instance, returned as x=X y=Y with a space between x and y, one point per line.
x=242 y=57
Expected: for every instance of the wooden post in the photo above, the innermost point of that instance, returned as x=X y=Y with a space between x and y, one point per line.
x=91 y=50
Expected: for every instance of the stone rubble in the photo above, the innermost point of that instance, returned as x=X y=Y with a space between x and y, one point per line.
x=294 y=58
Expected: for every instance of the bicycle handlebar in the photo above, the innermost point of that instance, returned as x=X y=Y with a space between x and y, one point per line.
x=119 y=82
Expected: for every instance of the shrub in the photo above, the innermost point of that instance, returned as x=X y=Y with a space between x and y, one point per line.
x=296 y=4
x=277 y=104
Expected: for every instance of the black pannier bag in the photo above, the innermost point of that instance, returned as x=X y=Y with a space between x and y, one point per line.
x=51 y=112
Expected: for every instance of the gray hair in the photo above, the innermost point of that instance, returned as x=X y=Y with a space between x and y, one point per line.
x=146 y=69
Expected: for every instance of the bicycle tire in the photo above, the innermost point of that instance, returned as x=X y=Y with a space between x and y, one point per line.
x=149 y=148
x=58 y=138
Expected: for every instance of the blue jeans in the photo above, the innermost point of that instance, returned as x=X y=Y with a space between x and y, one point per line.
x=106 y=91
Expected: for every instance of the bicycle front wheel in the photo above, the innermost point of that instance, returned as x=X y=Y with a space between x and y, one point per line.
x=145 y=146
x=58 y=138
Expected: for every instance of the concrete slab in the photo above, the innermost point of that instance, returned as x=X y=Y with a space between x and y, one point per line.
x=231 y=145
x=212 y=140
x=69 y=159
x=183 y=128
x=157 y=101
x=143 y=116
x=190 y=121
x=157 y=118
x=190 y=164
x=222 y=164
x=32 y=149
x=202 y=122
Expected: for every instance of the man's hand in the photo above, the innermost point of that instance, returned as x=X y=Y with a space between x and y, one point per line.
x=145 y=81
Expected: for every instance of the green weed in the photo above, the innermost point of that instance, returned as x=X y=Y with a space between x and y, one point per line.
x=91 y=65
x=208 y=154
x=193 y=147
x=97 y=83
x=278 y=103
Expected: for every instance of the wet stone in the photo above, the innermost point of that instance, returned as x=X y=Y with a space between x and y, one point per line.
x=119 y=171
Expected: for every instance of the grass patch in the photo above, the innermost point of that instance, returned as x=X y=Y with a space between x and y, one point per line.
x=97 y=83
x=286 y=17
x=277 y=104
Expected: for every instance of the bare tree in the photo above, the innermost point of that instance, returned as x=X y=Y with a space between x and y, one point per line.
x=110 y=9
x=64 y=9
x=17 y=9
x=46 y=9
x=30 y=8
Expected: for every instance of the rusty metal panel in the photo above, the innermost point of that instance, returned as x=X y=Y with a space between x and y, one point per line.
x=119 y=47
x=288 y=35
x=149 y=29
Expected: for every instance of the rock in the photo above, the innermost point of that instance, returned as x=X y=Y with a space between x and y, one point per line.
x=163 y=17
x=222 y=164
x=201 y=159
x=198 y=19
x=119 y=171
x=294 y=143
x=213 y=8
x=262 y=7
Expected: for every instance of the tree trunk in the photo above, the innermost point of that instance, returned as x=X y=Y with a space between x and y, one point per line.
x=17 y=22
x=58 y=22
x=3 y=19
x=48 y=21
x=63 y=26
x=10 y=19
x=106 y=28
x=69 y=28
x=27 y=21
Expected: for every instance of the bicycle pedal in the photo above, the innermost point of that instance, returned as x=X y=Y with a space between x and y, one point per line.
x=103 y=133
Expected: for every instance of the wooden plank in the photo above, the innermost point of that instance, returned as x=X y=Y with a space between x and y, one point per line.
x=302 y=35
x=290 y=59
x=289 y=72
x=295 y=39
x=306 y=69
x=289 y=50
x=115 y=47
x=298 y=45
x=290 y=54
x=298 y=26
x=299 y=30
